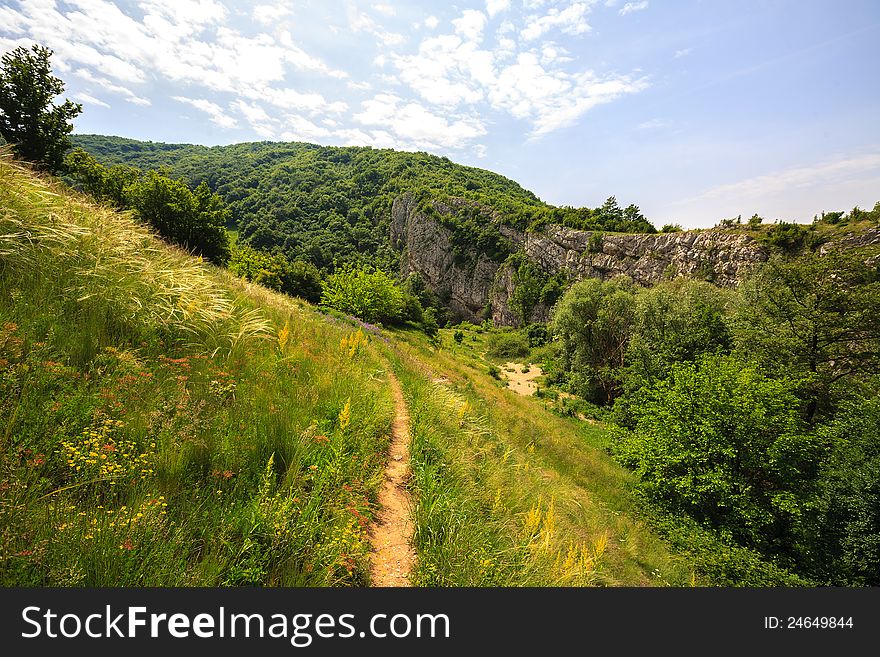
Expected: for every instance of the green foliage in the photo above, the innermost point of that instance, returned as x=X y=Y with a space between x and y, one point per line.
x=791 y=238
x=429 y=323
x=842 y=540
x=676 y=321
x=458 y=336
x=333 y=204
x=371 y=295
x=593 y=322
x=299 y=279
x=671 y=228
x=507 y=344
x=816 y=318
x=30 y=119
x=195 y=220
x=537 y=334
x=720 y=441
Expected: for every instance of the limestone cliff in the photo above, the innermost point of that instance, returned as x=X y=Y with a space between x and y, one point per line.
x=479 y=286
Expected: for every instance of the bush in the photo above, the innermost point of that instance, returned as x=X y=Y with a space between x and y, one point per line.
x=594 y=321
x=507 y=344
x=370 y=295
x=299 y=279
x=845 y=542
x=723 y=443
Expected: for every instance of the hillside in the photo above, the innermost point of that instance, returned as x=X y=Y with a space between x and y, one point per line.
x=326 y=204
x=182 y=427
x=481 y=245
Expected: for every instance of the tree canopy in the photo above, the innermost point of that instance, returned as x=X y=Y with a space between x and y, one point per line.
x=30 y=121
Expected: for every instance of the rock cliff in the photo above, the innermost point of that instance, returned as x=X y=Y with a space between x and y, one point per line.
x=478 y=286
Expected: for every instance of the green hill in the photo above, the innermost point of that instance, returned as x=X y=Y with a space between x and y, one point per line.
x=164 y=423
x=324 y=203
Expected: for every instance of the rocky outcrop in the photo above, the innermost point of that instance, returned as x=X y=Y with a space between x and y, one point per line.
x=719 y=256
x=477 y=287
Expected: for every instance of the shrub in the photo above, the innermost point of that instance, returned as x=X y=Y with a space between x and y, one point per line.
x=507 y=344
x=723 y=443
x=371 y=295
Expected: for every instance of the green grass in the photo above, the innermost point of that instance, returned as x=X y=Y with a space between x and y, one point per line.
x=489 y=465
x=164 y=423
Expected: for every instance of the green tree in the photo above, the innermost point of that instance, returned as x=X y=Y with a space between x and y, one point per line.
x=725 y=444
x=30 y=120
x=842 y=547
x=816 y=318
x=594 y=321
x=369 y=294
x=194 y=221
x=676 y=321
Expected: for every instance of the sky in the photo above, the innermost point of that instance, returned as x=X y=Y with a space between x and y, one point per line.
x=693 y=110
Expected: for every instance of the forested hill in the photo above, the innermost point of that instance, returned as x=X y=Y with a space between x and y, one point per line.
x=325 y=203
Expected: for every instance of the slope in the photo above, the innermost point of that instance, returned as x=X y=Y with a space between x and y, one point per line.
x=164 y=423
x=323 y=203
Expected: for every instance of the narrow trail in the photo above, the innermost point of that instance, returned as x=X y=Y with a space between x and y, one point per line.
x=391 y=535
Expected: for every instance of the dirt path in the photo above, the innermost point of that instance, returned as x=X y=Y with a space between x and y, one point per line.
x=391 y=535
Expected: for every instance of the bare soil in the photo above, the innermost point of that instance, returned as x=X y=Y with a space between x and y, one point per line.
x=391 y=535
x=522 y=383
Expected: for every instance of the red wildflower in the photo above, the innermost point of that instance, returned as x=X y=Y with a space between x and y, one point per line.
x=127 y=544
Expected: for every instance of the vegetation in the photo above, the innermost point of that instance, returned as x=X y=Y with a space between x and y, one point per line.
x=30 y=119
x=193 y=219
x=332 y=205
x=738 y=409
x=178 y=427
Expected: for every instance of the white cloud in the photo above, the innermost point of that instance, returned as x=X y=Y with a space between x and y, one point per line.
x=652 y=124
x=415 y=125
x=269 y=15
x=382 y=8
x=481 y=151
x=431 y=22
x=631 y=7
x=359 y=21
x=91 y=100
x=213 y=110
x=683 y=52
x=835 y=171
x=571 y=20
x=494 y=7
x=108 y=85
x=470 y=25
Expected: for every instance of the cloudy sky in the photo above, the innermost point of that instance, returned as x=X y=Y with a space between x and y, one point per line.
x=694 y=110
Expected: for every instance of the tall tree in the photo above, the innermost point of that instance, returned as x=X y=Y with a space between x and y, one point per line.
x=30 y=120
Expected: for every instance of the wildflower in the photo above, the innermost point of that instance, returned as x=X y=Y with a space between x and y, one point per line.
x=345 y=415
x=284 y=335
x=127 y=545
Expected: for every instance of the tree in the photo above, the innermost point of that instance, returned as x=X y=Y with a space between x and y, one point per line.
x=816 y=318
x=371 y=295
x=724 y=443
x=195 y=221
x=843 y=544
x=29 y=120
x=593 y=322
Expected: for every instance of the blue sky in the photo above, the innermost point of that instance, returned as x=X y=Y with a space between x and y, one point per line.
x=694 y=110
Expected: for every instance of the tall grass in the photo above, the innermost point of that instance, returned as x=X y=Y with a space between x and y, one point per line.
x=165 y=424
x=508 y=493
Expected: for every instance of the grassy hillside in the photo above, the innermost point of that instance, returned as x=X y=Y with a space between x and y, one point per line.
x=323 y=203
x=166 y=424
